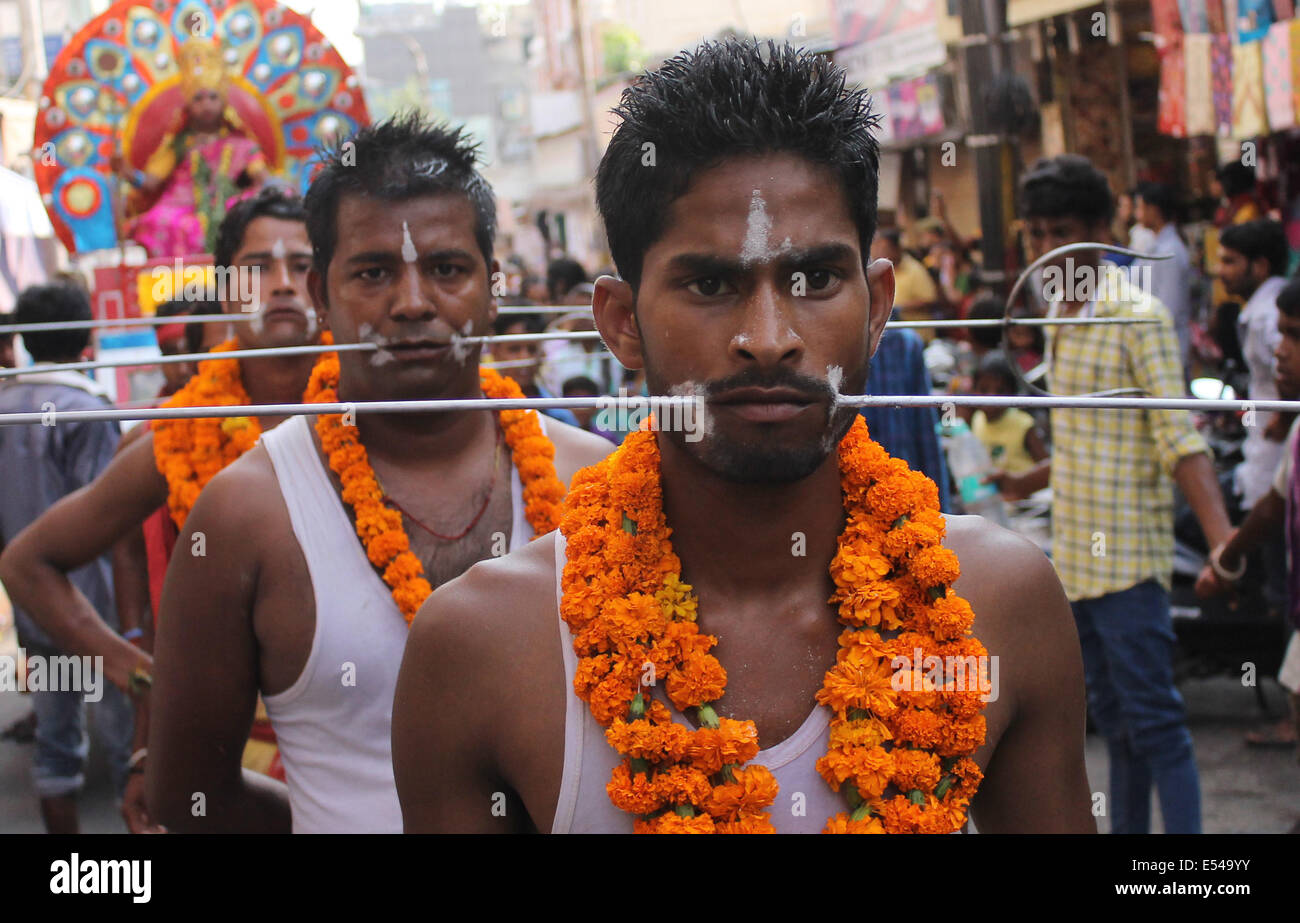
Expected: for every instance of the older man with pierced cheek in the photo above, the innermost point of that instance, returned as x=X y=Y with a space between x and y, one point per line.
x=325 y=538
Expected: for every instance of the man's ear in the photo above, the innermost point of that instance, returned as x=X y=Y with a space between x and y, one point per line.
x=319 y=300
x=612 y=305
x=880 y=286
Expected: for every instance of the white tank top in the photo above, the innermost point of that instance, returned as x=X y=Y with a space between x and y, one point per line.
x=334 y=724
x=805 y=801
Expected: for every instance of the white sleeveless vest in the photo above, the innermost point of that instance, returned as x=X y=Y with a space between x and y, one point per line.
x=334 y=724
x=804 y=804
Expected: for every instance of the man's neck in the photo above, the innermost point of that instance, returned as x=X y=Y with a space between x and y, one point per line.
x=735 y=537
x=427 y=439
x=276 y=380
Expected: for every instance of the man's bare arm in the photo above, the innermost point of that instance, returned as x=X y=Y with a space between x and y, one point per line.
x=443 y=719
x=75 y=531
x=1035 y=781
x=1195 y=477
x=1019 y=486
x=206 y=680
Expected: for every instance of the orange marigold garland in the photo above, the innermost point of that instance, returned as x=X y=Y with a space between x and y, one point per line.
x=899 y=751
x=189 y=453
x=380 y=528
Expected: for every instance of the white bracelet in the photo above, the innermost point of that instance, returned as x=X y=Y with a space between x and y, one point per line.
x=1224 y=574
x=137 y=758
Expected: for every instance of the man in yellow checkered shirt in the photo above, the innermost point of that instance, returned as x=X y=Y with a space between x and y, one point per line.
x=1112 y=474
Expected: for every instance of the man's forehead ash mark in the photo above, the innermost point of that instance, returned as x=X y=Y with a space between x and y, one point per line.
x=409 y=253
x=758 y=228
x=278 y=250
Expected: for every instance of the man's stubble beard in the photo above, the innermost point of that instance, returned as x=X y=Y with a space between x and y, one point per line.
x=766 y=461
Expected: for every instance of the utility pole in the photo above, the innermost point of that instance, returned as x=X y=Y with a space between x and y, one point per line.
x=589 y=143
x=983 y=23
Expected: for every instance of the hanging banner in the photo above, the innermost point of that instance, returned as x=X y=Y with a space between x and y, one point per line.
x=1253 y=19
x=1166 y=18
x=1277 y=76
x=1248 y=115
x=1295 y=64
x=1195 y=16
x=1200 y=95
x=1171 y=111
x=882 y=39
x=1221 y=83
x=914 y=106
x=1216 y=17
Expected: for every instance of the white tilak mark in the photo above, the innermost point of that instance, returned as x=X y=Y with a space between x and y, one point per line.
x=459 y=348
x=278 y=249
x=834 y=375
x=757 y=227
x=409 y=253
x=701 y=395
x=409 y=256
x=366 y=334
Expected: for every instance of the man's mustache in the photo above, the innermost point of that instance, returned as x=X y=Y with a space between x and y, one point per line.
x=815 y=389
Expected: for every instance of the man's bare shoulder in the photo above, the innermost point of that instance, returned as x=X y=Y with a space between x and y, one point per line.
x=492 y=613
x=1004 y=570
x=243 y=499
x=575 y=448
x=141 y=433
x=990 y=552
x=1021 y=611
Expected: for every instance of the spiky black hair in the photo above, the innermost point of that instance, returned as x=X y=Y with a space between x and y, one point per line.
x=399 y=158
x=1067 y=186
x=722 y=100
x=270 y=202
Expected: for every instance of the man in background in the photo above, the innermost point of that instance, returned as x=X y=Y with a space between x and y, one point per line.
x=528 y=355
x=567 y=282
x=42 y=464
x=177 y=338
x=1170 y=279
x=898 y=367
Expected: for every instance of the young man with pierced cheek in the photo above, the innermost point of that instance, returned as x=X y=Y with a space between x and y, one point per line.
x=263 y=240
x=575 y=685
x=323 y=541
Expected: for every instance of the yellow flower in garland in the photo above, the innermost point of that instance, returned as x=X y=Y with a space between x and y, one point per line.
x=900 y=756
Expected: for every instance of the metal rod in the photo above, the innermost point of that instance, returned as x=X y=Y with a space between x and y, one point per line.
x=6 y=329
x=119 y=322
x=269 y=353
x=277 y=351
x=51 y=417
x=1023 y=322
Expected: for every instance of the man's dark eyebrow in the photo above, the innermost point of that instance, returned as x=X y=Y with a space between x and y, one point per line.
x=266 y=255
x=704 y=264
x=707 y=264
x=395 y=256
x=822 y=253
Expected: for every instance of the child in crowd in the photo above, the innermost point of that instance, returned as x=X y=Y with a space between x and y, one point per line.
x=1013 y=438
x=588 y=419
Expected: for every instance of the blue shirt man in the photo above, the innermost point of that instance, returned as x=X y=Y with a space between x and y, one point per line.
x=898 y=367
